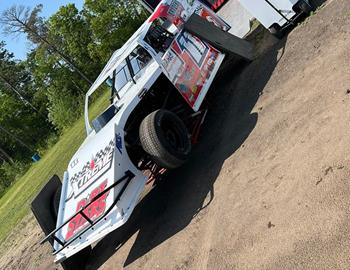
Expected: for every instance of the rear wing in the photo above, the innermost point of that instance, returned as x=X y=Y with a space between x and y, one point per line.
x=128 y=176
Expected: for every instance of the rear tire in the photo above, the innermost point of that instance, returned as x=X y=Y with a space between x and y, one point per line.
x=164 y=137
x=306 y=6
x=276 y=30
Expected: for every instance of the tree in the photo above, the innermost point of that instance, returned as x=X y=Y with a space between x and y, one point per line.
x=18 y=115
x=19 y=19
x=70 y=47
x=69 y=28
x=14 y=77
x=112 y=22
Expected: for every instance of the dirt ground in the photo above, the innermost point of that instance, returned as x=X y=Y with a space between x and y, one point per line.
x=269 y=185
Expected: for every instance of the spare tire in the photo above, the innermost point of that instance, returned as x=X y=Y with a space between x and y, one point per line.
x=164 y=137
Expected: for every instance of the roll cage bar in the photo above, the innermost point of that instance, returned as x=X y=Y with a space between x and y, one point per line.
x=128 y=176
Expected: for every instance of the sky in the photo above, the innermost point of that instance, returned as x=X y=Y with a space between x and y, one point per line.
x=18 y=45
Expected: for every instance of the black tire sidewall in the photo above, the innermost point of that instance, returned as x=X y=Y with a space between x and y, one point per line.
x=276 y=30
x=154 y=141
x=306 y=7
x=160 y=117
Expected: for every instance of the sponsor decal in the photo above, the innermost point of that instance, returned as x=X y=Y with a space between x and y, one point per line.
x=173 y=65
x=142 y=93
x=193 y=46
x=94 y=211
x=74 y=163
x=189 y=64
x=211 y=17
x=173 y=8
x=99 y=164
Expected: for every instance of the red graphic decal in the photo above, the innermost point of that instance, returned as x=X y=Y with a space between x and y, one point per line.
x=189 y=64
x=100 y=163
x=92 y=164
x=94 y=211
x=162 y=11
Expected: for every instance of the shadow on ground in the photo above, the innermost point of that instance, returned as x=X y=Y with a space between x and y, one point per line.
x=174 y=202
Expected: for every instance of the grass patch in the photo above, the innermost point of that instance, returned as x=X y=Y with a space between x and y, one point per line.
x=14 y=204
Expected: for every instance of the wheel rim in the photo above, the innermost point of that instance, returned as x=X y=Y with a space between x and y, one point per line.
x=174 y=137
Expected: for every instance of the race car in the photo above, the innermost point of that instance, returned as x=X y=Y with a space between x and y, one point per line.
x=157 y=83
x=213 y=4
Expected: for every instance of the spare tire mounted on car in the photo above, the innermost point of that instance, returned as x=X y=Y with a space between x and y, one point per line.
x=164 y=137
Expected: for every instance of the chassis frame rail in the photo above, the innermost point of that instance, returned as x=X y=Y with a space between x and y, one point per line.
x=127 y=178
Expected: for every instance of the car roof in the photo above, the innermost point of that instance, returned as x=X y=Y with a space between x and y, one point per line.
x=119 y=55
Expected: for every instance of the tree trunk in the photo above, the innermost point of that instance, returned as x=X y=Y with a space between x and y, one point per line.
x=6 y=156
x=25 y=101
x=53 y=47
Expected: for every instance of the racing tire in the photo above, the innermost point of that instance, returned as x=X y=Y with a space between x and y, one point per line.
x=164 y=137
x=306 y=6
x=276 y=30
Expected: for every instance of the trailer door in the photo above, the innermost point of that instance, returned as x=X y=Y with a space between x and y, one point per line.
x=270 y=12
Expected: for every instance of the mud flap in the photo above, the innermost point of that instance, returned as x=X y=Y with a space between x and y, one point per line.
x=41 y=207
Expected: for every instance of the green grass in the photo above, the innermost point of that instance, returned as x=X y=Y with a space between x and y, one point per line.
x=14 y=205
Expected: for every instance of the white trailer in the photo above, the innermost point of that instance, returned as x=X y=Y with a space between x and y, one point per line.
x=276 y=15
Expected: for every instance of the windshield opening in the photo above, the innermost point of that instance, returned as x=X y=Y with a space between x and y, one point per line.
x=102 y=103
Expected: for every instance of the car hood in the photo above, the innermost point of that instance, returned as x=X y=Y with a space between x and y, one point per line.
x=96 y=168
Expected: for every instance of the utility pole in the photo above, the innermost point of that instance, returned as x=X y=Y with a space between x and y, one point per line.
x=18 y=19
x=13 y=88
x=17 y=139
x=5 y=156
x=54 y=48
x=22 y=98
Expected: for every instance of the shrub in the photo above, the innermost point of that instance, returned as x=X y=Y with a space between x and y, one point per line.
x=64 y=108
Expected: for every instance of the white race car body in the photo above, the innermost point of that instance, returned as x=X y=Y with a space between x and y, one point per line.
x=102 y=165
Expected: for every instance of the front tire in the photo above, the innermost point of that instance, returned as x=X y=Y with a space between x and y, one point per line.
x=164 y=137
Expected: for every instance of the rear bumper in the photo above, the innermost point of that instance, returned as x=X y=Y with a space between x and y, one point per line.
x=114 y=217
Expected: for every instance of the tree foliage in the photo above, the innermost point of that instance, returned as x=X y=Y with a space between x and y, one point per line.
x=43 y=94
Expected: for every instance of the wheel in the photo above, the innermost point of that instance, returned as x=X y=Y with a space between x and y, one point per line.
x=306 y=6
x=55 y=202
x=276 y=30
x=164 y=137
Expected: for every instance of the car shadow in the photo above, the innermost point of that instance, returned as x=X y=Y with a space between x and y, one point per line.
x=177 y=199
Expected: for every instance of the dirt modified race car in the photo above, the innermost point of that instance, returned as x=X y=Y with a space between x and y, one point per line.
x=158 y=81
x=152 y=4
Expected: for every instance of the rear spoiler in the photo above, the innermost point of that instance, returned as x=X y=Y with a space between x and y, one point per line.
x=128 y=176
